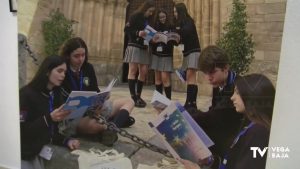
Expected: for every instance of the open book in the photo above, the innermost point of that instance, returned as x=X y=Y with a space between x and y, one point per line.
x=80 y=101
x=182 y=136
x=164 y=37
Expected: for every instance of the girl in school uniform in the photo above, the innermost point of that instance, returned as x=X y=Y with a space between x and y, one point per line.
x=191 y=51
x=41 y=108
x=137 y=54
x=162 y=56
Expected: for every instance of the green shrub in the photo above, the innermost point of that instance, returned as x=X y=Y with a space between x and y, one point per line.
x=56 y=31
x=236 y=41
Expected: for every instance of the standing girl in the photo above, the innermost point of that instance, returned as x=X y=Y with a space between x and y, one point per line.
x=137 y=54
x=191 y=51
x=162 y=56
x=40 y=111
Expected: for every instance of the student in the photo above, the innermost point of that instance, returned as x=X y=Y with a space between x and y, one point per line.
x=40 y=111
x=162 y=56
x=253 y=96
x=137 y=54
x=191 y=51
x=81 y=76
x=221 y=122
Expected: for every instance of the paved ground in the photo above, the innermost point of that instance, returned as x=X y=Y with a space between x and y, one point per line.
x=137 y=153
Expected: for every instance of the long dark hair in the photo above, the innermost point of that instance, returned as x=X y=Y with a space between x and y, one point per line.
x=144 y=7
x=183 y=15
x=257 y=93
x=72 y=44
x=157 y=22
x=41 y=78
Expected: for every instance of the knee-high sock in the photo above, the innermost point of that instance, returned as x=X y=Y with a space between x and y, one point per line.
x=139 y=88
x=159 y=88
x=168 y=91
x=131 y=84
x=121 y=118
x=191 y=96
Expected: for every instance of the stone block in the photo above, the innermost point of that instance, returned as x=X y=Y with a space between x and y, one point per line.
x=274 y=1
x=259 y=55
x=272 y=55
x=254 y=1
x=271 y=8
x=274 y=17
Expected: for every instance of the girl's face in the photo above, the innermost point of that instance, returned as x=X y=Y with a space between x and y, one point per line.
x=57 y=76
x=162 y=17
x=149 y=12
x=77 y=58
x=238 y=101
x=175 y=14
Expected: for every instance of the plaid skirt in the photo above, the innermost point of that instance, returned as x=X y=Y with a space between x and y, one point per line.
x=137 y=55
x=191 y=61
x=163 y=64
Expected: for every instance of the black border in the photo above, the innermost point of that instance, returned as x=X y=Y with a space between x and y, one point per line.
x=11 y=7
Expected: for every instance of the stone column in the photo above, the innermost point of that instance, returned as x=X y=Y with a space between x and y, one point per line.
x=100 y=17
x=107 y=30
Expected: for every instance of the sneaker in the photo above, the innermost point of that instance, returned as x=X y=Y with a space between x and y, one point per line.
x=181 y=74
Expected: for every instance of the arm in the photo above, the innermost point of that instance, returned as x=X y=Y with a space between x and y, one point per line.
x=258 y=136
x=93 y=78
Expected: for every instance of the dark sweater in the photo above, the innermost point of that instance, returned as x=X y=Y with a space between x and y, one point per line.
x=167 y=49
x=221 y=122
x=137 y=22
x=189 y=37
x=240 y=156
x=89 y=80
x=35 y=121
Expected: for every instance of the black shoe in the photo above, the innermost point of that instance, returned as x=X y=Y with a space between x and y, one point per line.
x=108 y=138
x=140 y=103
x=129 y=122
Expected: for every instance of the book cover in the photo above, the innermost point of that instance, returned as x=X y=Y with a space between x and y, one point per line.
x=160 y=102
x=178 y=135
x=150 y=32
x=80 y=101
x=166 y=37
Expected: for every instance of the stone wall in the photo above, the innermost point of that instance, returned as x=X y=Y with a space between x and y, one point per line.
x=101 y=22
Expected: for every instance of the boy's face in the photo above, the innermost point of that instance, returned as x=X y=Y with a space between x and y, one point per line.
x=217 y=77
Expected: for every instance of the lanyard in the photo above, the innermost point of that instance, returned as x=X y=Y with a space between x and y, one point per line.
x=232 y=77
x=73 y=81
x=51 y=127
x=230 y=80
x=146 y=23
x=224 y=162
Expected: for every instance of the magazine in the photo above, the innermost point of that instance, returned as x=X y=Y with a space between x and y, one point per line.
x=167 y=37
x=178 y=135
x=159 y=101
x=164 y=37
x=80 y=101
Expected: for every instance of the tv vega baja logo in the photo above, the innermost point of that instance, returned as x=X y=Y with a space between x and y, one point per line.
x=274 y=152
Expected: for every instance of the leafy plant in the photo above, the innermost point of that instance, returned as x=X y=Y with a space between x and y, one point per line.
x=236 y=41
x=56 y=31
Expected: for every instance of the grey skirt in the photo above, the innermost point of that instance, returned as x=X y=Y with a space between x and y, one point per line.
x=137 y=55
x=163 y=64
x=191 y=61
